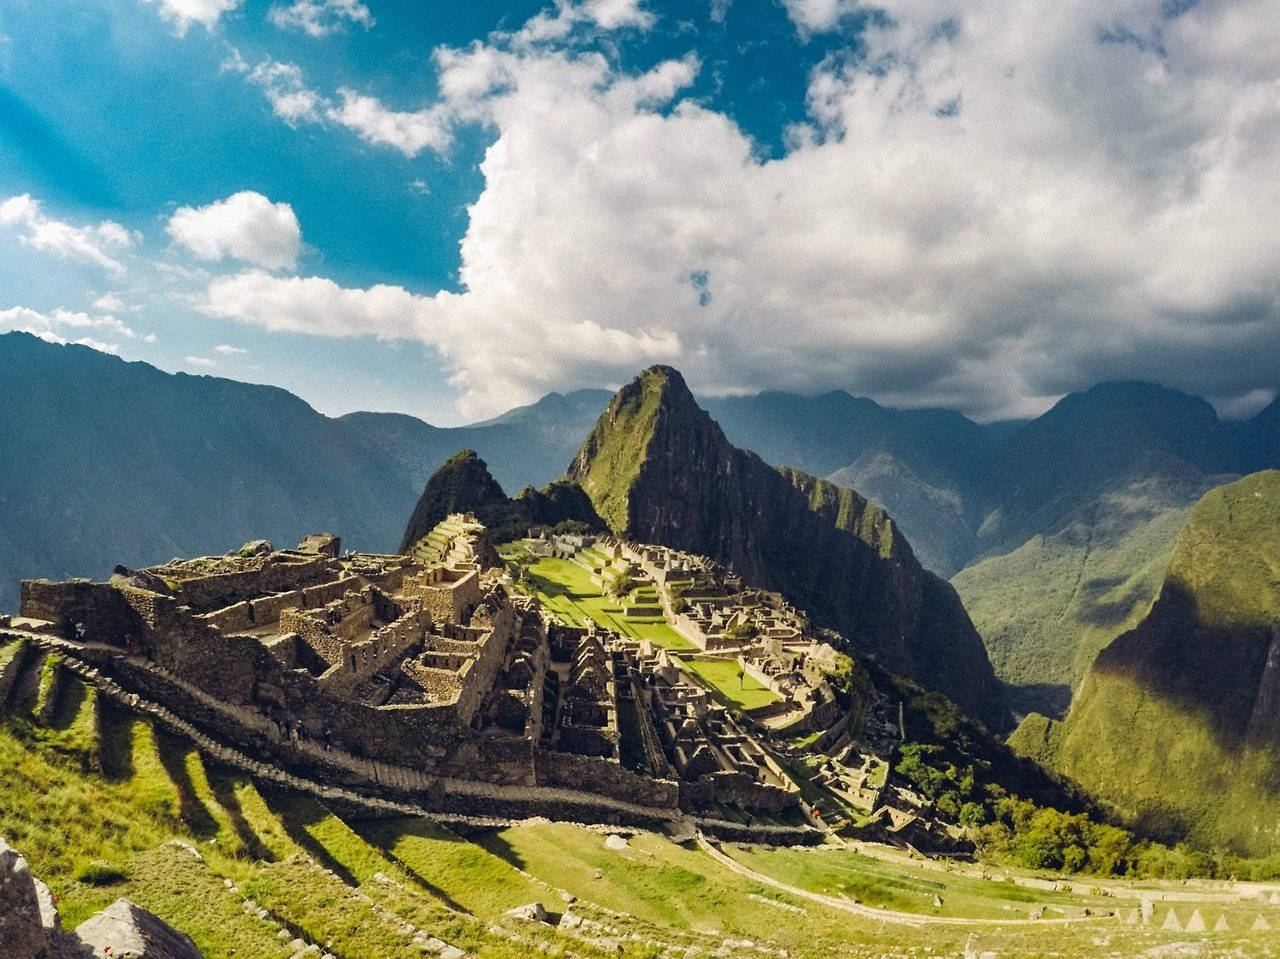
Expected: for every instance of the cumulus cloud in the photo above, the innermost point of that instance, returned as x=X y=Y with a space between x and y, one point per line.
x=318 y=18
x=204 y=362
x=410 y=132
x=98 y=244
x=110 y=302
x=992 y=202
x=819 y=16
x=67 y=326
x=246 y=226
x=225 y=349
x=282 y=83
x=183 y=13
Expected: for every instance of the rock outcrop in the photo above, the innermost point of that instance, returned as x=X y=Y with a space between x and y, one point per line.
x=22 y=932
x=464 y=485
x=658 y=469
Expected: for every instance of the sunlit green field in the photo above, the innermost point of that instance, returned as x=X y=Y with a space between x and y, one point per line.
x=729 y=685
x=566 y=588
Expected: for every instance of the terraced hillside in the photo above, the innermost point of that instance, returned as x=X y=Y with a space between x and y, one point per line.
x=107 y=803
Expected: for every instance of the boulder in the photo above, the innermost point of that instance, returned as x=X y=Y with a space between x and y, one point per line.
x=126 y=931
x=22 y=932
x=255 y=547
x=530 y=912
x=615 y=842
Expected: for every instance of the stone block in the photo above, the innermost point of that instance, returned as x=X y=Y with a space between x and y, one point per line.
x=22 y=931
x=126 y=931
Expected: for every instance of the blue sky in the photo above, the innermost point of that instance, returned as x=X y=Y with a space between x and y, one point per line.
x=450 y=208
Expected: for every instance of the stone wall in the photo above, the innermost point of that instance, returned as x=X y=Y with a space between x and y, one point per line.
x=218 y=590
x=736 y=788
x=604 y=776
x=79 y=610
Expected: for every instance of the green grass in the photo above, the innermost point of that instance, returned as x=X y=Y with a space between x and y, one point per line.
x=653 y=879
x=566 y=589
x=463 y=872
x=729 y=685
x=873 y=882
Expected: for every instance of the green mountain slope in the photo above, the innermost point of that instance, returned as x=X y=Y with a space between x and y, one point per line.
x=1046 y=608
x=659 y=469
x=1178 y=720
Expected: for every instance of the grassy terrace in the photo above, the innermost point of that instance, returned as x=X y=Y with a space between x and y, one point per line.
x=728 y=685
x=873 y=882
x=92 y=795
x=566 y=589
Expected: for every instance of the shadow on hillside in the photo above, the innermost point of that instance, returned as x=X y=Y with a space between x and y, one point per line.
x=223 y=791
x=1048 y=699
x=494 y=843
x=295 y=812
x=383 y=834
x=115 y=741
x=173 y=755
x=1211 y=672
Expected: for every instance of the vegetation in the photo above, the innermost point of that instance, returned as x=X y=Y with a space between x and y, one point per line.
x=730 y=683
x=1048 y=607
x=1165 y=726
x=566 y=589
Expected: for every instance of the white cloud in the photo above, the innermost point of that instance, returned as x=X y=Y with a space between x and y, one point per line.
x=93 y=244
x=819 y=16
x=60 y=326
x=409 y=132
x=318 y=18
x=225 y=349
x=603 y=14
x=201 y=361
x=110 y=302
x=290 y=98
x=999 y=202
x=246 y=226
x=183 y=13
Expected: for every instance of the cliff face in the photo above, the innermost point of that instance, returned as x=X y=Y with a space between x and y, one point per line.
x=1178 y=720
x=659 y=470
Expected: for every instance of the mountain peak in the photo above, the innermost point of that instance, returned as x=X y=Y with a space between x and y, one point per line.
x=462 y=484
x=658 y=469
x=655 y=409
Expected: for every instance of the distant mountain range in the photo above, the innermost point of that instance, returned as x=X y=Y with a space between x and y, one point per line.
x=1055 y=531
x=106 y=462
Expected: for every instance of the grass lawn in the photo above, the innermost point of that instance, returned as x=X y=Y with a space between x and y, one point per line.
x=842 y=872
x=727 y=685
x=566 y=589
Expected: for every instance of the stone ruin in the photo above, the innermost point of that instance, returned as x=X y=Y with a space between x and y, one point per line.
x=766 y=636
x=30 y=927
x=419 y=678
